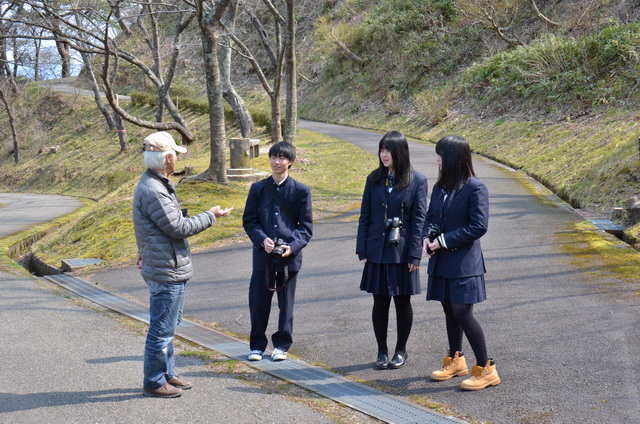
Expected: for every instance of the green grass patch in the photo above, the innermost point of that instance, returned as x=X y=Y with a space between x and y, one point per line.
x=334 y=170
x=590 y=163
x=610 y=262
x=598 y=68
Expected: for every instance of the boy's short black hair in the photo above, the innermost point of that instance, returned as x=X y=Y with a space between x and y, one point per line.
x=283 y=149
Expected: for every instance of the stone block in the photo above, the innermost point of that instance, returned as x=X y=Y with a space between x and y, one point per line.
x=618 y=213
x=634 y=213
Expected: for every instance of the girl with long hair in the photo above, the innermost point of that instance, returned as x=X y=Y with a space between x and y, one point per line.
x=389 y=242
x=457 y=217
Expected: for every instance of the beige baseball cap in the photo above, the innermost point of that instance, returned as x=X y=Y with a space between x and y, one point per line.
x=162 y=141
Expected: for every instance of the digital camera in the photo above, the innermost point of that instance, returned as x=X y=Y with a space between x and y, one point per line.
x=278 y=249
x=433 y=231
x=393 y=225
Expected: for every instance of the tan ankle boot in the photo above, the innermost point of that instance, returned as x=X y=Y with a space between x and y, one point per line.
x=482 y=377
x=451 y=367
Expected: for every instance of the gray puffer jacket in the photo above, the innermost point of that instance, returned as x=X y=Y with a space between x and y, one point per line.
x=161 y=230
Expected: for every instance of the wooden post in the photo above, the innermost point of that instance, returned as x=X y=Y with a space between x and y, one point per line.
x=122 y=132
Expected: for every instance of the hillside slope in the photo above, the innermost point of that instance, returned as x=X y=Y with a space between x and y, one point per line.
x=562 y=106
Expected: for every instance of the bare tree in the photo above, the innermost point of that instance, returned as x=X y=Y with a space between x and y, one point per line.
x=37 y=48
x=291 y=74
x=498 y=15
x=209 y=15
x=5 y=68
x=5 y=99
x=6 y=31
x=346 y=51
x=63 y=47
x=273 y=91
x=95 y=88
x=148 y=24
x=95 y=34
x=112 y=97
x=262 y=34
x=240 y=109
x=542 y=16
x=117 y=12
x=284 y=38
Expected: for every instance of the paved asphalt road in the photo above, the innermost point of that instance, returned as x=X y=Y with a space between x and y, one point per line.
x=66 y=360
x=565 y=338
x=32 y=209
x=565 y=334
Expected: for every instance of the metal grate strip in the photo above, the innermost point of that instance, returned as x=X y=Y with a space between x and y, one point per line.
x=363 y=398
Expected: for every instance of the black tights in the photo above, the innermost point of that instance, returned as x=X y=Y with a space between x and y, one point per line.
x=380 y=317
x=460 y=320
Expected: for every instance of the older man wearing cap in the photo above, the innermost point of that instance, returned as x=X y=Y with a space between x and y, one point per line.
x=164 y=259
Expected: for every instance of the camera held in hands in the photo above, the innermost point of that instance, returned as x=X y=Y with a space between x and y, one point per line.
x=278 y=249
x=393 y=225
x=433 y=231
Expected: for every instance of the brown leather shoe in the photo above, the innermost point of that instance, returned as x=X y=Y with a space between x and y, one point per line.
x=178 y=382
x=166 y=391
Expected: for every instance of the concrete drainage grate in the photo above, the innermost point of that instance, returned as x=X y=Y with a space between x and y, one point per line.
x=358 y=396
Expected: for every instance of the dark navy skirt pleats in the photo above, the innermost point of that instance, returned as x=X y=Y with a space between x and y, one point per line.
x=466 y=290
x=389 y=279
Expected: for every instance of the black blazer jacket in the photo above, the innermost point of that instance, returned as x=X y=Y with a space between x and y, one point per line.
x=263 y=217
x=410 y=204
x=466 y=221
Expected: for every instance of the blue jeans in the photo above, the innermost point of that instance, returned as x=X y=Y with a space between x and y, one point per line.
x=165 y=313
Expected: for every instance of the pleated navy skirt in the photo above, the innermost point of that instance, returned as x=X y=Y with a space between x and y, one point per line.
x=389 y=279
x=467 y=290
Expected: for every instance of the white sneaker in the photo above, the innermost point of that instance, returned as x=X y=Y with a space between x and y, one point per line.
x=278 y=354
x=255 y=355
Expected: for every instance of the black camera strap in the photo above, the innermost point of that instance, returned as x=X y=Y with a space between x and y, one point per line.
x=445 y=212
x=386 y=203
x=280 y=279
x=284 y=208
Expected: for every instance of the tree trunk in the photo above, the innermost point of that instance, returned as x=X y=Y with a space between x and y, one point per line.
x=36 y=60
x=160 y=108
x=65 y=58
x=12 y=125
x=4 y=62
x=240 y=109
x=291 y=75
x=276 y=120
x=264 y=37
x=96 y=92
x=152 y=38
x=123 y=136
x=276 y=115
x=121 y=22
x=209 y=22
x=173 y=110
x=6 y=74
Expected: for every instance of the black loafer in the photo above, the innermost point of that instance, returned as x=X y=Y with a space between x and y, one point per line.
x=383 y=361
x=399 y=359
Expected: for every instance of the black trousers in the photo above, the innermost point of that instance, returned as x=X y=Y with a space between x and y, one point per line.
x=260 y=307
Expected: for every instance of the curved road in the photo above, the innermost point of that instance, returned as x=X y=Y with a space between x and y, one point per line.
x=33 y=209
x=565 y=340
